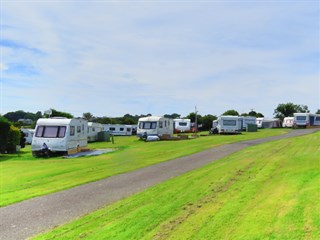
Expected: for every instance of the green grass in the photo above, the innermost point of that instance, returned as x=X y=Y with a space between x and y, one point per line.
x=268 y=191
x=23 y=177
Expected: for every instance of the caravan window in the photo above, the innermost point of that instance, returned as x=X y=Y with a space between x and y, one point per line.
x=317 y=118
x=301 y=118
x=51 y=131
x=148 y=125
x=62 y=132
x=39 y=131
x=122 y=129
x=229 y=122
x=72 y=128
x=79 y=129
x=128 y=129
x=182 y=124
x=112 y=128
x=160 y=124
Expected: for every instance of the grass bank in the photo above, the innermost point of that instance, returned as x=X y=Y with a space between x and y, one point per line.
x=23 y=176
x=268 y=191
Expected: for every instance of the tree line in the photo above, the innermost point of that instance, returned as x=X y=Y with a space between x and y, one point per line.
x=281 y=111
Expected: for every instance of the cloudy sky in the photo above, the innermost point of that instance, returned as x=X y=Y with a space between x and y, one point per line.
x=116 y=57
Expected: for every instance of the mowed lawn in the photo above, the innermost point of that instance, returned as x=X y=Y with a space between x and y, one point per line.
x=268 y=191
x=23 y=176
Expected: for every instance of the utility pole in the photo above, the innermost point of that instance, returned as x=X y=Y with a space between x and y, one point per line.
x=196 y=120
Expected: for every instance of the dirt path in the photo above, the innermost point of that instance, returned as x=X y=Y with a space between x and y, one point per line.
x=30 y=217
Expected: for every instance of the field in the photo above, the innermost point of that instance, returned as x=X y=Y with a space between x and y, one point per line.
x=24 y=177
x=268 y=191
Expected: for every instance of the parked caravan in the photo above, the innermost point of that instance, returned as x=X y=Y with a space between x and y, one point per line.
x=229 y=124
x=93 y=130
x=154 y=126
x=59 y=136
x=214 y=129
x=306 y=119
x=287 y=122
x=248 y=120
x=119 y=129
x=259 y=122
x=28 y=134
x=182 y=125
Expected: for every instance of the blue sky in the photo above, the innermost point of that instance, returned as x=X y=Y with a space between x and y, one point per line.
x=160 y=57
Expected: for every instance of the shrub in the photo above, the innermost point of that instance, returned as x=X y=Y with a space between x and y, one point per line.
x=13 y=139
x=4 y=131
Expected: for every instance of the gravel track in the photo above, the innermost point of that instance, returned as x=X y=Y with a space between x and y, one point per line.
x=30 y=217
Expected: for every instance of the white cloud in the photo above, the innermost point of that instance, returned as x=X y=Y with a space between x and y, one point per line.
x=113 y=58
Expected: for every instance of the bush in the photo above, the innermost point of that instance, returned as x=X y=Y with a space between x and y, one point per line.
x=4 y=131
x=13 y=139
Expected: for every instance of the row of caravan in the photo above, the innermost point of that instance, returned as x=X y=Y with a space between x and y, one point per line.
x=63 y=135
x=232 y=124
x=159 y=126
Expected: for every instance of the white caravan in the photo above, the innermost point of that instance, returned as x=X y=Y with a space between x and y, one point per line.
x=182 y=125
x=59 y=136
x=228 y=124
x=306 y=119
x=248 y=120
x=287 y=122
x=154 y=126
x=118 y=129
x=28 y=134
x=93 y=130
x=259 y=122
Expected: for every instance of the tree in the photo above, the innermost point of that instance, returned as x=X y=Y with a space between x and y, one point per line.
x=4 y=131
x=318 y=111
x=173 y=115
x=288 y=109
x=13 y=139
x=56 y=113
x=207 y=121
x=231 y=112
x=88 y=116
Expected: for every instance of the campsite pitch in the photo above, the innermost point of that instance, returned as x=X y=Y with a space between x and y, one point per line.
x=268 y=191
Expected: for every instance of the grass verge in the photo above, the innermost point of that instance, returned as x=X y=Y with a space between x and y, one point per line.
x=268 y=191
x=23 y=177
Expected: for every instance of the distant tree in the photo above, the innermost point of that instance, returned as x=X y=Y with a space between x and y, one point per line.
x=231 y=112
x=254 y=114
x=259 y=115
x=288 y=109
x=56 y=113
x=207 y=121
x=88 y=116
x=15 y=116
x=129 y=119
x=173 y=115
x=318 y=111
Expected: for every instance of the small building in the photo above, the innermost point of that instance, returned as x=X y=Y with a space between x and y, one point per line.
x=25 y=121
